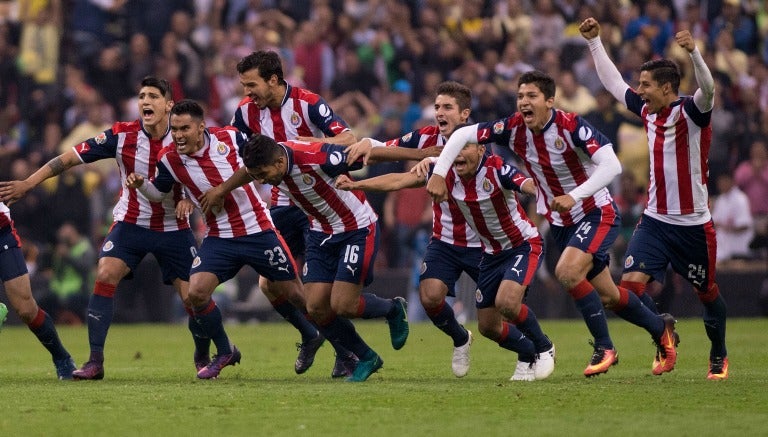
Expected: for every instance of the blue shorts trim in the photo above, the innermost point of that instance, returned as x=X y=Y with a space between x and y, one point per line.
x=265 y=252
x=174 y=250
x=347 y=257
x=12 y=263
x=594 y=234
x=293 y=224
x=690 y=250
x=446 y=262
x=518 y=264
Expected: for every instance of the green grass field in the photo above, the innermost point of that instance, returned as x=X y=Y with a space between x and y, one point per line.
x=150 y=387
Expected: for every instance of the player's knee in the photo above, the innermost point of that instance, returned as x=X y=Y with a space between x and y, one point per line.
x=431 y=297
x=568 y=275
x=489 y=331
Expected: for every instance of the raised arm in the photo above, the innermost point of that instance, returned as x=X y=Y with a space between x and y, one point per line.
x=11 y=191
x=704 y=97
x=607 y=72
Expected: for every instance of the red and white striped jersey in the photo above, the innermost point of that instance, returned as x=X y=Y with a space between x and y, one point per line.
x=489 y=204
x=301 y=114
x=135 y=152
x=448 y=224
x=679 y=137
x=309 y=183
x=558 y=159
x=244 y=212
x=5 y=215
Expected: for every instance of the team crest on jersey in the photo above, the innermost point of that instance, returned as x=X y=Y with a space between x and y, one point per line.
x=109 y=245
x=487 y=187
x=222 y=148
x=498 y=127
x=559 y=144
x=585 y=133
x=478 y=296
x=100 y=138
x=407 y=137
x=307 y=179
x=295 y=120
x=629 y=262
x=196 y=263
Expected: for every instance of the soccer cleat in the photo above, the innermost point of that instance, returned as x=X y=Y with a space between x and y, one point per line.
x=344 y=366
x=460 y=361
x=524 y=371
x=3 y=314
x=307 y=351
x=201 y=360
x=602 y=360
x=666 y=352
x=718 y=369
x=398 y=324
x=366 y=367
x=545 y=363
x=91 y=370
x=64 y=368
x=219 y=362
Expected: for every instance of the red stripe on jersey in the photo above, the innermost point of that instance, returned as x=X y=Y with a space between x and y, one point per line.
x=607 y=219
x=552 y=181
x=128 y=157
x=157 y=217
x=684 y=171
x=658 y=164
x=537 y=249
x=470 y=197
x=706 y=142
x=306 y=205
x=278 y=128
x=437 y=215
x=331 y=197
x=459 y=224
x=253 y=116
x=370 y=243
x=578 y=172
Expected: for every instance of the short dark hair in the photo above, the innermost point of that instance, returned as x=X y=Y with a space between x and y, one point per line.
x=163 y=85
x=188 y=106
x=266 y=61
x=663 y=71
x=260 y=150
x=461 y=93
x=542 y=80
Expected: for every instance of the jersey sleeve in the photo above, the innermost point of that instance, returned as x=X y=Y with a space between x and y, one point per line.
x=322 y=116
x=238 y=121
x=102 y=146
x=587 y=138
x=511 y=177
x=164 y=180
x=634 y=102
x=336 y=160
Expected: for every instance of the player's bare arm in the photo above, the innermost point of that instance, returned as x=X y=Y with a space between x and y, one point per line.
x=359 y=149
x=379 y=154
x=387 y=182
x=437 y=188
x=343 y=139
x=11 y=191
x=215 y=196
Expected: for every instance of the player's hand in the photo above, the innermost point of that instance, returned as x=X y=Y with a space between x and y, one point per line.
x=562 y=203
x=431 y=151
x=134 y=180
x=685 y=40
x=589 y=28
x=343 y=182
x=437 y=189
x=422 y=167
x=359 y=149
x=184 y=208
x=212 y=200
x=11 y=191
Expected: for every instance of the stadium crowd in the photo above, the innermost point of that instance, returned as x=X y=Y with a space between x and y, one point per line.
x=70 y=68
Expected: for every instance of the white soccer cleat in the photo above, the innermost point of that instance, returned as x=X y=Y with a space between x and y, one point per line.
x=524 y=372
x=460 y=362
x=545 y=363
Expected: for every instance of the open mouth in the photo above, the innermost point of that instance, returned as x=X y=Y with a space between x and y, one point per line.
x=147 y=113
x=527 y=115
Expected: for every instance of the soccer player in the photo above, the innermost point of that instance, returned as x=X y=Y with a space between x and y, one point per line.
x=454 y=246
x=15 y=277
x=140 y=225
x=239 y=233
x=281 y=111
x=343 y=237
x=676 y=227
x=483 y=193
x=571 y=164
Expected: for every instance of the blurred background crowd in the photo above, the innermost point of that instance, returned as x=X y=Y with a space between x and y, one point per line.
x=70 y=68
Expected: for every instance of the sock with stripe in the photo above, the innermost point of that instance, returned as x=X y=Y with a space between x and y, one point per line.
x=444 y=318
x=208 y=316
x=591 y=309
x=45 y=331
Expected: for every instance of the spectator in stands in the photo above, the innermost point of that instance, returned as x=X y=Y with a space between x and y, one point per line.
x=733 y=220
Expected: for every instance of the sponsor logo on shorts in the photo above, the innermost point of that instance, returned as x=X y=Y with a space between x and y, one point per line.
x=478 y=296
x=196 y=263
x=109 y=245
x=629 y=262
